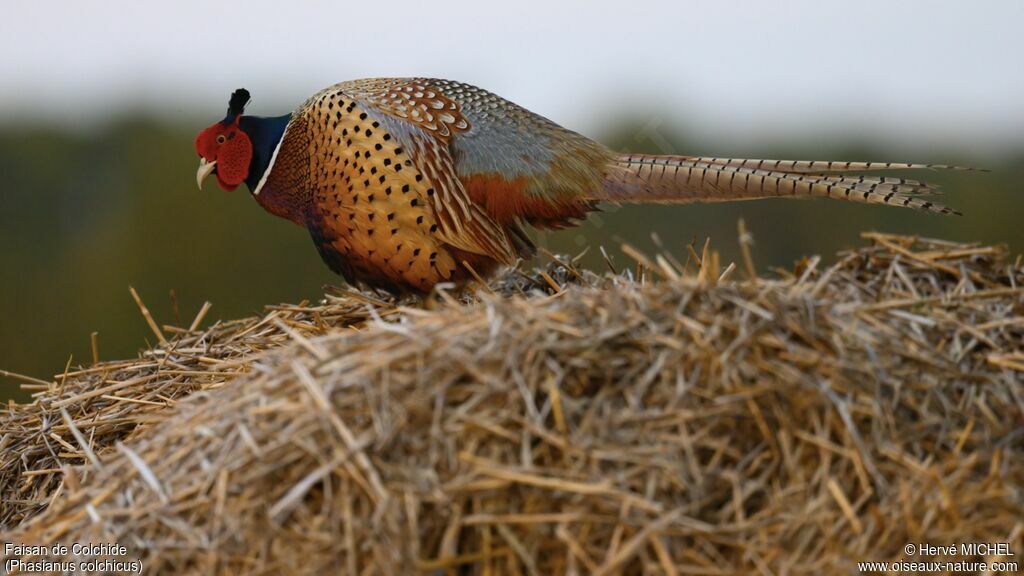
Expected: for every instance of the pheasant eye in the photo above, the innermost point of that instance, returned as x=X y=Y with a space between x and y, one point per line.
x=221 y=138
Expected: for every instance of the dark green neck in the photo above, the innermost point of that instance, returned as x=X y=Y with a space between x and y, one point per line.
x=265 y=134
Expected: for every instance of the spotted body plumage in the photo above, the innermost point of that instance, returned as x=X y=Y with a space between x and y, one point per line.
x=405 y=183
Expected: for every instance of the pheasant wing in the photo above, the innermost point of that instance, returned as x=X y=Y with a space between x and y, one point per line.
x=424 y=120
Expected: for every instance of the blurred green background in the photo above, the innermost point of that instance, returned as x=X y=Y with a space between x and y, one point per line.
x=100 y=106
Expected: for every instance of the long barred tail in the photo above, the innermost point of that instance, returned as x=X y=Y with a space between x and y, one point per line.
x=814 y=166
x=677 y=179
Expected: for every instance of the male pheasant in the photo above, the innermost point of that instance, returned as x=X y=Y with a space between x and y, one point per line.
x=404 y=183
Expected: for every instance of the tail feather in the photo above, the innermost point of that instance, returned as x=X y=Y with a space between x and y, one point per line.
x=901 y=185
x=679 y=179
x=819 y=166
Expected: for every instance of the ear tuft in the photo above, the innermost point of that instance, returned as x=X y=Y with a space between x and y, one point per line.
x=236 y=105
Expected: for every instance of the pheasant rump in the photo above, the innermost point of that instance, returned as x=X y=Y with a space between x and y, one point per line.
x=404 y=183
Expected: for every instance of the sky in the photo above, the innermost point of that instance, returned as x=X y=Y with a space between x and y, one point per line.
x=917 y=73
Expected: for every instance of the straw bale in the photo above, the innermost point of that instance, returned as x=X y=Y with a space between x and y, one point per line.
x=666 y=421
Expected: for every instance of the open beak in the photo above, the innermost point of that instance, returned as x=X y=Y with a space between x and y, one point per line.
x=205 y=169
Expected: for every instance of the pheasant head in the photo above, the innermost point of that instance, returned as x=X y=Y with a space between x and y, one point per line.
x=224 y=148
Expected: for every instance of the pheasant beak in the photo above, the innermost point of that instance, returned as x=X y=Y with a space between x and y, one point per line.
x=205 y=169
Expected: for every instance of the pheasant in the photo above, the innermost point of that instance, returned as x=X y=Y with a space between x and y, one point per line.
x=404 y=183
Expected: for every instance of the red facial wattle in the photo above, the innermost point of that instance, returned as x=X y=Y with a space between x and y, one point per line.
x=230 y=148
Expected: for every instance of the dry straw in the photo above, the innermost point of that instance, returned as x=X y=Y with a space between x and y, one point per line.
x=566 y=423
